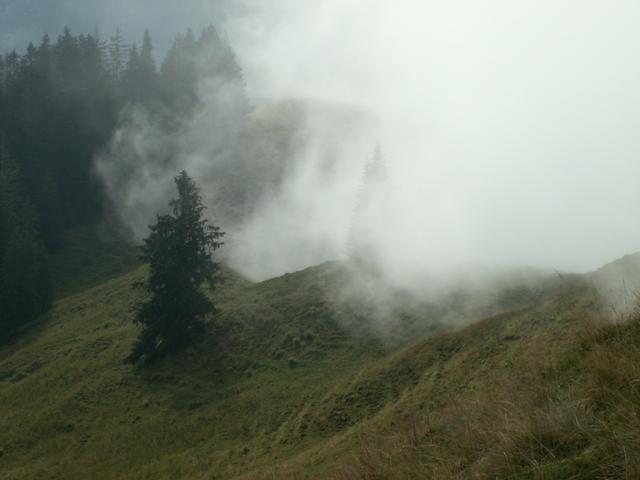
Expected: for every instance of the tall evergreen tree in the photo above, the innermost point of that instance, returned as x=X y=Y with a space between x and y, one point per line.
x=117 y=57
x=179 y=251
x=368 y=218
x=12 y=196
x=25 y=289
x=178 y=74
x=140 y=76
x=3 y=89
x=147 y=63
x=131 y=75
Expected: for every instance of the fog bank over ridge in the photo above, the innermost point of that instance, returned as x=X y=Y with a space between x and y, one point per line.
x=508 y=131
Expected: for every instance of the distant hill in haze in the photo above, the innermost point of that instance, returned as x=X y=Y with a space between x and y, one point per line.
x=619 y=284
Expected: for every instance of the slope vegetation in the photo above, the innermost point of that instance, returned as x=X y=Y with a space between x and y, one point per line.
x=289 y=384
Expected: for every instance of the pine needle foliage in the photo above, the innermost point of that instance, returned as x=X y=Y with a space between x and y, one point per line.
x=179 y=251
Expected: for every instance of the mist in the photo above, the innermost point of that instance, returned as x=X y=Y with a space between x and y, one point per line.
x=508 y=132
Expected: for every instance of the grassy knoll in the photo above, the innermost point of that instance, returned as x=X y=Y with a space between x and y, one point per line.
x=287 y=383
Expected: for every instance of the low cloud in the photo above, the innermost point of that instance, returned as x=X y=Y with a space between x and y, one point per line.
x=508 y=130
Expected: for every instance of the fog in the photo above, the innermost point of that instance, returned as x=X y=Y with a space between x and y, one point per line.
x=508 y=132
x=509 y=127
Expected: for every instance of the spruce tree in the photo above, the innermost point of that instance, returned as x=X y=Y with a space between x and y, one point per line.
x=147 y=63
x=25 y=290
x=140 y=78
x=367 y=214
x=179 y=251
x=116 y=57
x=131 y=75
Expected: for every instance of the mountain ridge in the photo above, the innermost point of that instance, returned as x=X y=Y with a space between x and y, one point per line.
x=282 y=385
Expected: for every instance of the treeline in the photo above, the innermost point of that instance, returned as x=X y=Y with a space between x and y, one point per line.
x=60 y=104
x=25 y=290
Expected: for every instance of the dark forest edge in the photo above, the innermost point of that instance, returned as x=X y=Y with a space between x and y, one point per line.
x=60 y=104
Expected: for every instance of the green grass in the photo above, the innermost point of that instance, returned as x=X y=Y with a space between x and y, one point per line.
x=290 y=382
x=235 y=401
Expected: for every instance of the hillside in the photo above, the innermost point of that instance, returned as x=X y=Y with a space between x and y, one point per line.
x=293 y=381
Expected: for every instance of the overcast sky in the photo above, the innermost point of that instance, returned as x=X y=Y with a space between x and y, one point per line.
x=511 y=128
x=22 y=21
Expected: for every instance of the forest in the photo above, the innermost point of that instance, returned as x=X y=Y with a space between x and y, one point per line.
x=60 y=104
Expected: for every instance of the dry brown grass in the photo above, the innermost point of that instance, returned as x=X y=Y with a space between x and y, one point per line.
x=572 y=416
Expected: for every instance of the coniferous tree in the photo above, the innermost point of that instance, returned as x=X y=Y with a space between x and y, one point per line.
x=179 y=251
x=47 y=200
x=140 y=76
x=3 y=88
x=117 y=57
x=190 y=61
x=367 y=215
x=61 y=101
x=147 y=63
x=131 y=74
x=11 y=196
x=25 y=290
x=178 y=74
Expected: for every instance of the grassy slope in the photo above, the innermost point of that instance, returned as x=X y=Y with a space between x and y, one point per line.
x=434 y=388
x=280 y=389
x=544 y=393
x=71 y=409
